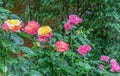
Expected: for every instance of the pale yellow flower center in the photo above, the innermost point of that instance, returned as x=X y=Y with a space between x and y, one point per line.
x=13 y=22
x=44 y=30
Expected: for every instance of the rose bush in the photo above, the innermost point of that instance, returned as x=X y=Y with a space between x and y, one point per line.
x=59 y=48
x=74 y=48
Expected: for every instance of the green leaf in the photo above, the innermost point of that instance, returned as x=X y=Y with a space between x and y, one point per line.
x=25 y=35
x=41 y=60
x=82 y=40
x=18 y=40
x=28 y=51
x=52 y=41
x=6 y=43
x=14 y=16
x=4 y=69
x=3 y=16
x=87 y=67
x=15 y=48
x=66 y=38
x=35 y=73
x=58 y=35
x=45 y=70
x=4 y=10
x=69 y=53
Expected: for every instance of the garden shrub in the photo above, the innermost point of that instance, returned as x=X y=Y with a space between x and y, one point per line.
x=69 y=38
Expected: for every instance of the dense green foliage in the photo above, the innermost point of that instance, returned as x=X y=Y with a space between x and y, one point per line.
x=100 y=28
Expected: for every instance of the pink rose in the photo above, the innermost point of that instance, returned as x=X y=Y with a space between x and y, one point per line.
x=12 y=25
x=114 y=66
x=101 y=67
x=32 y=27
x=82 y=52
x=67 y=26
x=104 y=58
x=84 y=49
x=44 y=33
x=62 y=46
x=44 y=38
x=87 y=47
x=74 y=19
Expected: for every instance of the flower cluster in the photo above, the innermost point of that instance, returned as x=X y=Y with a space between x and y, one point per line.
x=32 y=28
x=73 y=20
x=84 y=49
x=44 y=33
x=115 y=67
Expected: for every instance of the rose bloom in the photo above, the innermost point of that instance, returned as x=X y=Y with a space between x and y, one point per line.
x=44 y=33
x=115 y=67
x=84 y=49
x=74 y=19
x=31 y=28
x=87 y=47
x=101 y=67
x=62 y=46
x=67 y=26
x=12 y=25
x=104 y=58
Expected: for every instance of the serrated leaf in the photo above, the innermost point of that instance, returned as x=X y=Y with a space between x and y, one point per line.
x=14 y=16
x=18 y=40
x=28 y=51
x=15 y=48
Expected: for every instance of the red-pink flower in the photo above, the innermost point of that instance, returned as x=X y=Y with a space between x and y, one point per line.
x=62 y=46
x=101 y=67
x=74 y=19
x=31 y=28
x=67 y=26
x=12 y=25
x=104 y=58
x=115 y=67
x=84 y=49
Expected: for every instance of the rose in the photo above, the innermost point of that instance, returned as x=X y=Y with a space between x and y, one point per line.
x=31 y=28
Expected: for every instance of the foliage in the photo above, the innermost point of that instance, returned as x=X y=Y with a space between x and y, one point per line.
x=100 y=29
